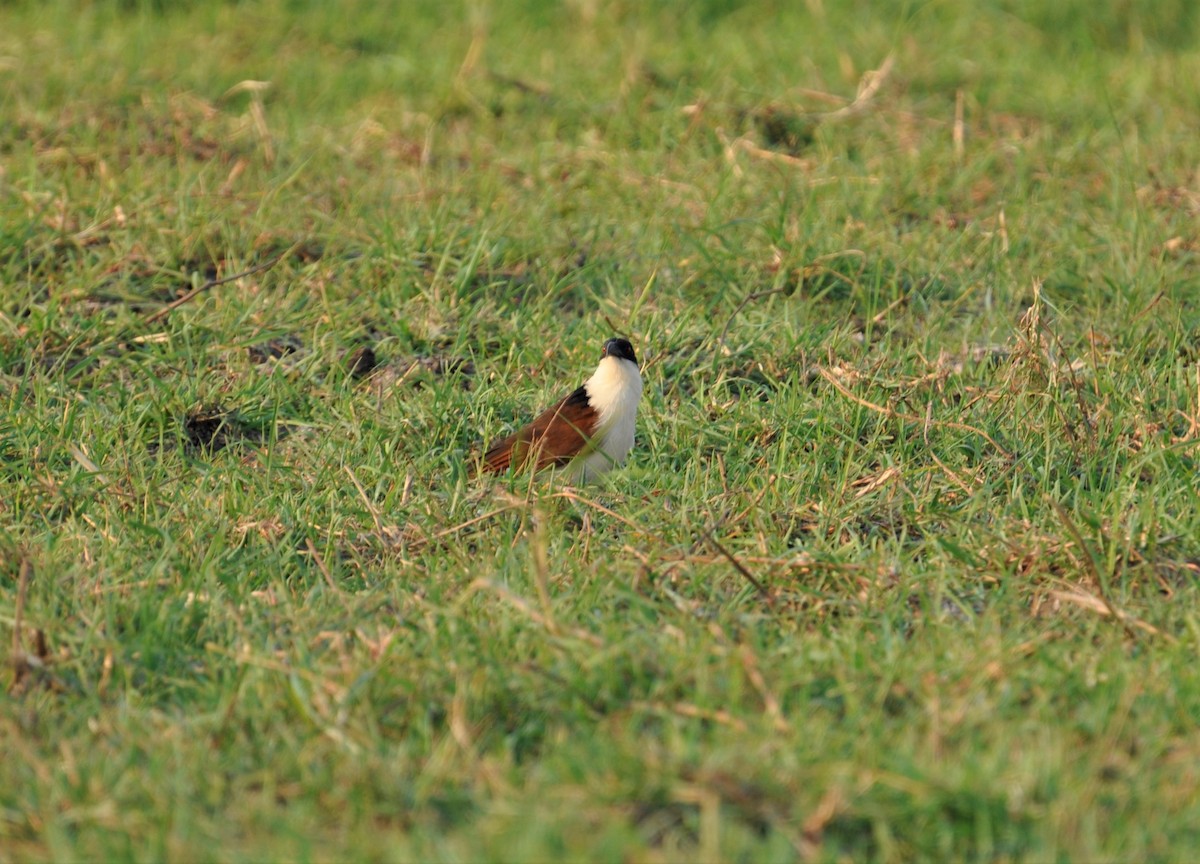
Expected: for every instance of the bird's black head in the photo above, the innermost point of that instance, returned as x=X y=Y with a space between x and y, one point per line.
x=619 y=348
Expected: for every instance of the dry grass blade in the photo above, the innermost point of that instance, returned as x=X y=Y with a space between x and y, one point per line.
x=371 y=508
x=88 y=465
x=1086 y=600
x=958 y=133
x=770 y=703
x=454 y=529
x=748 y=146
x=958 y=481
x=1094 y=569
x=572 y=495
x=523 y=606
x=244 y=657
x=541 y=572
x=798 y=563
x=317 y=557
x=695 y=712
x=911 y=418
x=421 y=540
x=871 y=83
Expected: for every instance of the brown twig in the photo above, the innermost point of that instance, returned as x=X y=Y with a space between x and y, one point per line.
x=532 y=88
x=213 y=283
x=739 y=566
x=746 y=301
x=18 y=655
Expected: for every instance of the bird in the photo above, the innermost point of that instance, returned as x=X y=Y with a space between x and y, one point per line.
x=587 y=432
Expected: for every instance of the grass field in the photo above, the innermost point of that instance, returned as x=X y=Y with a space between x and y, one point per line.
x=904 y=564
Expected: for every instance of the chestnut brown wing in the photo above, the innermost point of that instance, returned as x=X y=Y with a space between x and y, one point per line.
x=555 y=437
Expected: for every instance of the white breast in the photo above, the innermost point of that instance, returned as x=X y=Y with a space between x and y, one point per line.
x=613 y=392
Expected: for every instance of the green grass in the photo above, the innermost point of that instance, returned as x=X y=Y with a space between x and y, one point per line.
x=937 y=394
